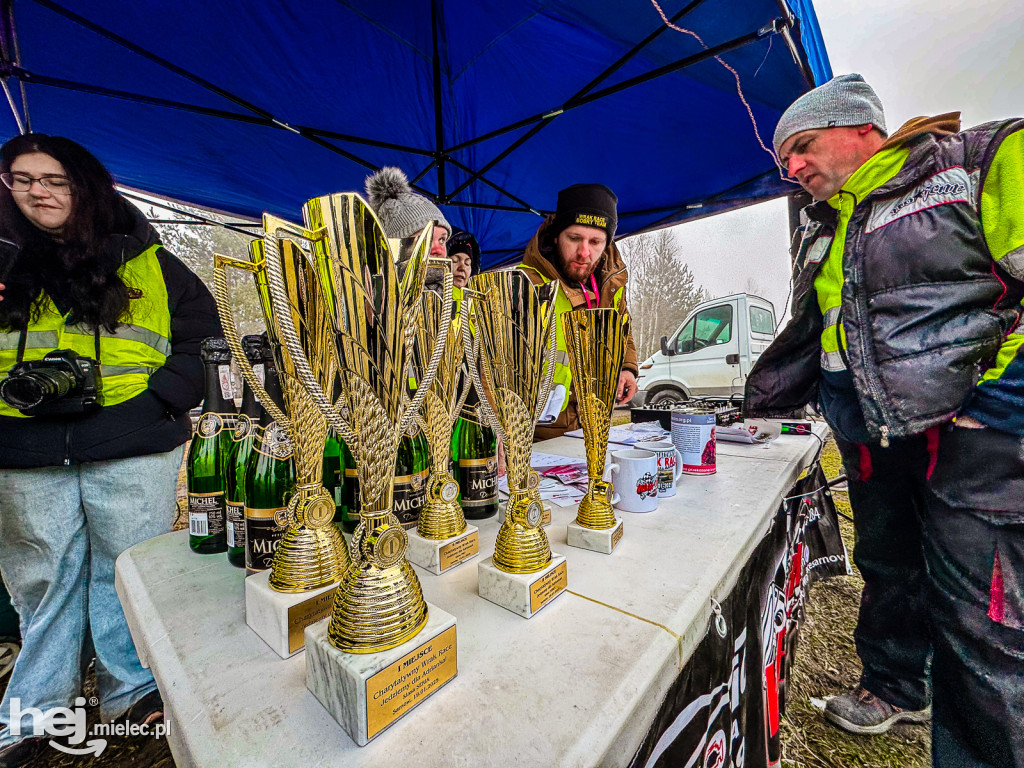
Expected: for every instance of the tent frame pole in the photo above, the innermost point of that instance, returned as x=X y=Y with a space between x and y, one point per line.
x=435 y=24
x=11 y=60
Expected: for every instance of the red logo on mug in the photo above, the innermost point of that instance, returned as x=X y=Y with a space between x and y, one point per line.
x=646 y=486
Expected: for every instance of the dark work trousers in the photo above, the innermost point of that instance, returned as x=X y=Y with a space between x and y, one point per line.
x=888 y=490
x=974 y=547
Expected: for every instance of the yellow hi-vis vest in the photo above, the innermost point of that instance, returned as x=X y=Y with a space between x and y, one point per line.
x=563 y=374
x=128 y=356
x=876 y=171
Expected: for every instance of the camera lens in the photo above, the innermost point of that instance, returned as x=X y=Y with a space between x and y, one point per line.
x=35 y=387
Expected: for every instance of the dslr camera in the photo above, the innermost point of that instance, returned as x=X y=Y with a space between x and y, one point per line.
x=61 y=384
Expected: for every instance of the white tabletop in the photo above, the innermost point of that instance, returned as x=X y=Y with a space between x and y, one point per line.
x=576 y=685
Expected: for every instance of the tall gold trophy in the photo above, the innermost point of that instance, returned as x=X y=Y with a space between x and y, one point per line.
x=515 y=322
x=595 y=341
x=442 y=538
x=379 y=607
x=312 y=555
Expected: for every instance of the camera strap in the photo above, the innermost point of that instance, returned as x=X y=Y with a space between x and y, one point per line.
x=23 y=340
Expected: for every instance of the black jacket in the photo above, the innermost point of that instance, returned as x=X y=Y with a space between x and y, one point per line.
x=155 y=421
x=924 y=307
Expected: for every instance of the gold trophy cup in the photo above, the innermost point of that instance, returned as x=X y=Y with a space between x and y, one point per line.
x=442 y=538
x=595 y=342
x=515 y=323
x=374 y=315
x=312 y=555
x=375 y=318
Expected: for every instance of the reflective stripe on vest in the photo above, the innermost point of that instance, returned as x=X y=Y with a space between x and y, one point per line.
x=128 y=356
x=39 y=339
x=563 y=374
x=831 y=337
x=128 y=333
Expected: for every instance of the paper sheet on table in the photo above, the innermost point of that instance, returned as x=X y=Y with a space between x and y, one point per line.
x=629 y=434
x=553 y=470
x=742 y=433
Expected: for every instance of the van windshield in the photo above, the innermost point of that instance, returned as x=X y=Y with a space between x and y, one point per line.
x=711 y=327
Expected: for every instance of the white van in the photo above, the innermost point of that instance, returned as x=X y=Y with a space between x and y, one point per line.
x=711 y=353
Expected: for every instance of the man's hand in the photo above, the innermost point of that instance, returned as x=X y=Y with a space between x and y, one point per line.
x=968 y=422
x=627 y=387
x=501 y=458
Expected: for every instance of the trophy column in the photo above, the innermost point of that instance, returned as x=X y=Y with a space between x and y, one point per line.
x=595 y=341
x=442 y=540
x=516 y=323
x=299 y=587
x=384 y=649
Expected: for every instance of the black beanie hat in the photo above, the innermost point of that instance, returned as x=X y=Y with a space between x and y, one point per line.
x=592 y=205
x=463 y=242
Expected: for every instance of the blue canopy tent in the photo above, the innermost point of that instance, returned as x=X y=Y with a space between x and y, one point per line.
x=490 y=106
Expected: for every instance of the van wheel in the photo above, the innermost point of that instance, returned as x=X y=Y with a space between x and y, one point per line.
x=666 y=397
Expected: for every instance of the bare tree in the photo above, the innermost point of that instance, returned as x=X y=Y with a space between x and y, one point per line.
x=662 y=289
x=195 y=245
x=752 y=286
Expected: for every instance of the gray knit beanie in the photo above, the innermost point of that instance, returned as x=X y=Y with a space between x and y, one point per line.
x=401 y=211
x=841 y=102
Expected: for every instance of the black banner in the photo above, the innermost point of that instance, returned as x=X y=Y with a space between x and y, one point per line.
x=723 y=709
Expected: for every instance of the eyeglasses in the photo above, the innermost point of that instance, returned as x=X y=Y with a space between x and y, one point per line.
x=22 y=182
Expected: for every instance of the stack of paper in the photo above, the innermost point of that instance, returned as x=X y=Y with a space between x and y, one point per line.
x=630 y=434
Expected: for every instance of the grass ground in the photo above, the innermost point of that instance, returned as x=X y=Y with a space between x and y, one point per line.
x=826 y=664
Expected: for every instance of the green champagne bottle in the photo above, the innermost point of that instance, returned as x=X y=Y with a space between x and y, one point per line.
x=208 y=453
x=350 y=492
x=412 y=468
x=475 y=459
x=269 y=483
x=238 y=457
x=334 y=473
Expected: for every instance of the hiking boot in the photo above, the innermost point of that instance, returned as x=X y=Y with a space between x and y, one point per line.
x=860 y=711
x=22 y=753
x=148 y=710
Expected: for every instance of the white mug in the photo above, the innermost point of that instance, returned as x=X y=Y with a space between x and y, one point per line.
x=670 y=465
x=635 y=476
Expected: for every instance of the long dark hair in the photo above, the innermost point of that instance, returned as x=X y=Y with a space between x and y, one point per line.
x=75 y=266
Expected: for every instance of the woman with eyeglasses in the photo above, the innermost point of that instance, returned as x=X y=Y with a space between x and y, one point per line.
x=100 y=330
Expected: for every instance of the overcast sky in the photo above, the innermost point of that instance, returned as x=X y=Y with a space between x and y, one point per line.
x=923 y=57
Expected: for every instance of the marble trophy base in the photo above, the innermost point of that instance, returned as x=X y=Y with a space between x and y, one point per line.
x=281 y=618
x=522 y=593
x=603 y=540
x=440 y=555
x=367 y=692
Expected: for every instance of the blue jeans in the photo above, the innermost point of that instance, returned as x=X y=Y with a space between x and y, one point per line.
x=61 y=528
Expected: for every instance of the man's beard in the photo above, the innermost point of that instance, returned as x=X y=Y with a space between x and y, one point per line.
x=570 y=271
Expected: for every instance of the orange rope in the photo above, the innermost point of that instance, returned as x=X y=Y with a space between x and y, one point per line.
x=739 y=87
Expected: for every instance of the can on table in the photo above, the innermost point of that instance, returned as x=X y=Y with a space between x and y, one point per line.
x=693 y=434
